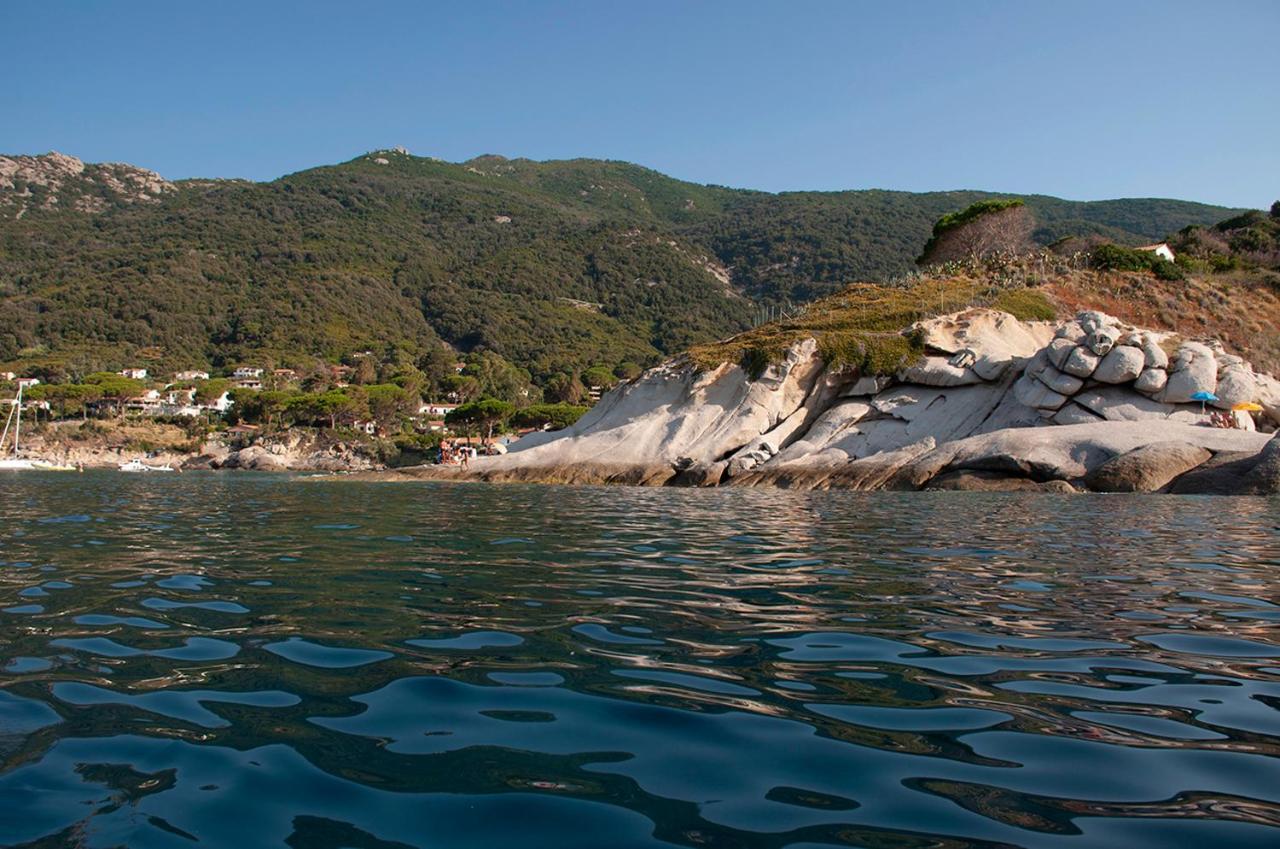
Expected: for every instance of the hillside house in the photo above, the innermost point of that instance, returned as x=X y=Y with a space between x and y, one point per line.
x=436 y=410
x=247 y=373
x=1160 y=249
x=134 y=373
x=190 y=375
x=247 y=383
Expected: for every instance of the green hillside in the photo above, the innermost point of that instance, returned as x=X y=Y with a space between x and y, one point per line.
x=555 y=266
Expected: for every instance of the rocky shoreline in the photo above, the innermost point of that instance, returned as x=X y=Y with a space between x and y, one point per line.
x=995 y=403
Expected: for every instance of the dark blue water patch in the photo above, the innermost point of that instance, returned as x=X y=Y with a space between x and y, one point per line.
x=184 y=582
x=470 y=641
x=398 y=538
x=260 y=583
x=1229 y=599
x=1009 y=641
x=126 y=585
x=75 y=518
x=337 y=526
x=795 y=686
x=511 y=541
x=186 y=705
x=106 y=619
x=22 y=716
x=829 y=646
x=526 y=679
x=193 y=648
x=602 y=634
x=308 y=653
x=25 y=665
x=216 y=606
x=1211 y=644
x=24 y=609
x=55 y=795
x=1238 y=707
x=33 y=592
x=921 y=719
x=1152 y=726
x=693 y=682
x=1029 y=586
x=57 y=585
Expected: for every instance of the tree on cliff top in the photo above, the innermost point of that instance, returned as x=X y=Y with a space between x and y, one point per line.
x=982 y=229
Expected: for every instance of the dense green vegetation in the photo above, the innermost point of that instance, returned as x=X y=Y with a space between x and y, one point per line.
x=548 y=269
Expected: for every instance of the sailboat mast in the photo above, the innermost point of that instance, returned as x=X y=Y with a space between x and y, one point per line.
x=17 y=425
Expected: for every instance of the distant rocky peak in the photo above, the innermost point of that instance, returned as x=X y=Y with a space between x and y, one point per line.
x=53 y=181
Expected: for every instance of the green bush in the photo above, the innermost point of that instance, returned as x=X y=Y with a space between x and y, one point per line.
x=1025 y=305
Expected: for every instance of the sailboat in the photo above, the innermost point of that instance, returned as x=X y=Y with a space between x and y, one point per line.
x=13 y=459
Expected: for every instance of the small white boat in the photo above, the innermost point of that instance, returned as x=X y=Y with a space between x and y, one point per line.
x=136 y=465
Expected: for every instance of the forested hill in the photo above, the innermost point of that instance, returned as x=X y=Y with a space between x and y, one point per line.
x=553 y=265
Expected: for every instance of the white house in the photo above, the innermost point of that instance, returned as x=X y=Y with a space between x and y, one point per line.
x=189 y=375
x=436 y=410
x=28 y=381
x=1160 y=249
x=247 y=372
x=134 y=373
x=220 y=404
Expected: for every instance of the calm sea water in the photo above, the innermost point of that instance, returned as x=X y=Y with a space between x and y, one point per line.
x=251 y=661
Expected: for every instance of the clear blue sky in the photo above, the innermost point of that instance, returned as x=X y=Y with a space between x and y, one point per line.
x=1077 y=99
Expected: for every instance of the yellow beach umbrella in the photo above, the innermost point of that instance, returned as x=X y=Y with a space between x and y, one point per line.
x=1248 y=406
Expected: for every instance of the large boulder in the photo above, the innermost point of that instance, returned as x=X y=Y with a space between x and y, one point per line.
x=1082 y=362
x=1059 y=350
x=1121 y=365
x=1146 y=469
x=1151 y=381
x=1192 y=371
x=967 y=480
x=1264 y=477
x=1063 y=384
x=1036 y=395
x=1236 y=385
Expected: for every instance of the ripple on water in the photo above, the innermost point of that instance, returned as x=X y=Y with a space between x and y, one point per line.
x=216 y=606
x=186 y=705
x=1211 y=644
x=470 y=641
x=308 y=653
x=193 y=648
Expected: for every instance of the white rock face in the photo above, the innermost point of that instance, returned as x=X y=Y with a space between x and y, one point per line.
x=992 y=396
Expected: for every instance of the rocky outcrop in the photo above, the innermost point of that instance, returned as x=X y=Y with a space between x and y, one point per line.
x=993 y=404
x=1146 y=469
x=57 y=181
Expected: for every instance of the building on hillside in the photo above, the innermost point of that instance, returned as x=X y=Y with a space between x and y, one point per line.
x=284 y=375
x=134 y=373
x=7 y=375
x=369 y=427
x=28 y=382
x=1160 y=249
x=218 y=405
x=247 y=372
x=189 y=375
x=436 y=426
x=247 y=383
x=436 y=410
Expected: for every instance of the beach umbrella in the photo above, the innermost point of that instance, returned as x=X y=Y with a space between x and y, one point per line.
x=1202 y=396
x=1248 y=407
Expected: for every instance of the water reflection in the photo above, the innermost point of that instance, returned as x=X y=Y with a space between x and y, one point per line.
x=265 y=661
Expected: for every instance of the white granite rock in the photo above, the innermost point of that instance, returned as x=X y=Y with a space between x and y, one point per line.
x=1082 y=362
x=1121 y=365
x=1151 y=381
